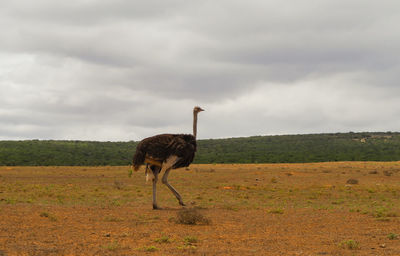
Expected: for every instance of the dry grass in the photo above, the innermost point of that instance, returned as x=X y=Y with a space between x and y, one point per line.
x=258 y=209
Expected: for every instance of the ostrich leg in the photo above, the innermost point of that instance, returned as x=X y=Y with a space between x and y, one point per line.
x=166 y=167
x=156 y=171
x=165 y=181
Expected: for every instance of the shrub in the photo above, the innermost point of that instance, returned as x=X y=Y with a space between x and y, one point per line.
x=113 y=246
x=189 y=240
x=387 y=173
x=276 y=211
x=352 y=181
x=163 y=239
x=191 y=217
x=151 y=248
x=350 y=244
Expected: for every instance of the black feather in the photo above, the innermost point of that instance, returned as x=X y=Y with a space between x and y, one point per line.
x=161 y=147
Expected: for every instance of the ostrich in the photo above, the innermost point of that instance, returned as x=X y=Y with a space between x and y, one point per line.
x=164 y=152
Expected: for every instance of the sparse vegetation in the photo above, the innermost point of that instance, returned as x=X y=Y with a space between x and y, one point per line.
x=276 y=211
x=239 y=199
x=383 y=213
x=189 y=240
x=163 y=240
x=189 y=243
x=393 y=236
x=150 y=248
x=350 y=244
x=352 y=181
x=113 y=246
x=387 y=173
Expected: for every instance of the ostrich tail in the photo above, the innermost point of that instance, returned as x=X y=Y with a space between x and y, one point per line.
x=138 y=159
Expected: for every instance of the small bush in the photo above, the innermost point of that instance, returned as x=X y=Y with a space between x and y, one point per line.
x=387 y=173
x=350 y=244
x=163 y=240
x=393 y=236
x=191 y=217
x=276 y=211
x=151 y=248
x=189 y=240
x=352 y=181
x=384 y=213
x=44 y=214
x=113 y=246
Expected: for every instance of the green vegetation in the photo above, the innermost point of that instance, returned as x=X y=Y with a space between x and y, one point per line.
x=163 y=240
x=66 y=153
x=189 y=240
x=113 y=246
x=258 y=149
x=302 y=148
x=150 y=248
x=350 y=244
x=189 y=243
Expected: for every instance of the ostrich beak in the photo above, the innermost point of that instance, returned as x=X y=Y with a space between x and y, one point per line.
x=201 y=110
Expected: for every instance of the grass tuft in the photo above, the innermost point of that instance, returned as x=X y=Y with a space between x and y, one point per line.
x=163 y=240
x=150 y=248
x=276 y=211
x=113 y=246
x=350 y=244
x=189 y=240
x=352 y=181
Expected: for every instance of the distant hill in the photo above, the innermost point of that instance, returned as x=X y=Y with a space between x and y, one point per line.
x=366 y=146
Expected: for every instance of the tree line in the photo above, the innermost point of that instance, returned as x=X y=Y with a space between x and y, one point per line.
x=367 y=146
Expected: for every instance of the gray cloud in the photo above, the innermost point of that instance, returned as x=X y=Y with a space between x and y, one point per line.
x=124 y=70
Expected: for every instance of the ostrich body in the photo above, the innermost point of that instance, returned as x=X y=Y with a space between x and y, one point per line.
x=165 y=152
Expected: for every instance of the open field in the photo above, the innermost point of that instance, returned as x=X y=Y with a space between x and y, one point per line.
x=255 y=209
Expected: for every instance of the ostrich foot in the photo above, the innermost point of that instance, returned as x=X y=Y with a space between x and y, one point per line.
x=155 y=207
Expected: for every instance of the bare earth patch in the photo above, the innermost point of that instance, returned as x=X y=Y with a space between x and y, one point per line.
x=313 y=211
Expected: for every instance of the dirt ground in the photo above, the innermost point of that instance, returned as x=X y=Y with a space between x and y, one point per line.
x=260 y=209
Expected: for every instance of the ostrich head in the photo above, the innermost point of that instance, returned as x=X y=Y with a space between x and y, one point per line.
x=197 y=109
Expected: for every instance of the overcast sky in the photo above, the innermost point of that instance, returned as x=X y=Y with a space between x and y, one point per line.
x=124 y=70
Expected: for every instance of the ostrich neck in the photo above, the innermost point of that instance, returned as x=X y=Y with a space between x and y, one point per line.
x=194 y=124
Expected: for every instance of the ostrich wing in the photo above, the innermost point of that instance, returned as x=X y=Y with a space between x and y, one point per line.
x=183 y=146
x=158 y=148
